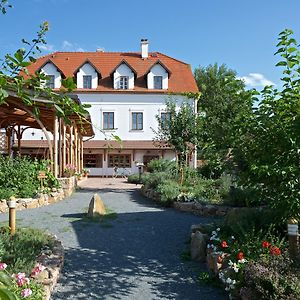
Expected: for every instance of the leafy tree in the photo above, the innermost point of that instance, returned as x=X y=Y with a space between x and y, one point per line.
x=223 y=101
x=12 y=78
x=179 y=129
x=270 y=137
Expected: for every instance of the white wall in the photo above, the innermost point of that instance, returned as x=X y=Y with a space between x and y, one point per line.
x=157 y=70
x=122 y=106
x=87 y=69
x=123 y=70
x=50 y=69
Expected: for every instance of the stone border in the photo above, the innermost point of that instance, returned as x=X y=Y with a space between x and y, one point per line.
x=53 y=261
x=68 y=185
x=207 y=210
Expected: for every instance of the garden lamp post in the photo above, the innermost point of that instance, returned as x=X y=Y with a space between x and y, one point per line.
x=293 y=232
x=12 y=214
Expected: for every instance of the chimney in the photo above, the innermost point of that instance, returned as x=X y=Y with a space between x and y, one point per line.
x=100 y=50
x=144 y=46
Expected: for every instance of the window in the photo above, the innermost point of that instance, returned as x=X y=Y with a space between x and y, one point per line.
x=50 y=81
x=165 y=118
x=87 y=81
x=157 y=82
x=137 y=121
x=92 y=160
x=123 y=85
x=108 y=120
x=119 y=160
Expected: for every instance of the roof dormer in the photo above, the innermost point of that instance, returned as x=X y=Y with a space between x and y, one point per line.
x=54 y=74
x=87 y=76
x=123 y=76
x=158 y=77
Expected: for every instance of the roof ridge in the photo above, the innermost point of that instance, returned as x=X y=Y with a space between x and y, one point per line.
x=173 y=58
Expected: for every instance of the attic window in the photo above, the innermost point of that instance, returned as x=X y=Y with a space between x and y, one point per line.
x=157 y=82
x=50 y=82
x=87 y=81
x=123 y=84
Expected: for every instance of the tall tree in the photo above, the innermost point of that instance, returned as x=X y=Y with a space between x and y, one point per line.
x=270 y=137
x=223 y=101
x=179 y=129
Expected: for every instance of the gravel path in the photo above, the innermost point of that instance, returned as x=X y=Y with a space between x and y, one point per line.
x=134 y=254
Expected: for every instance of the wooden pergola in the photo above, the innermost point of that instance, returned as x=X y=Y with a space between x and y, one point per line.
x=65 y=141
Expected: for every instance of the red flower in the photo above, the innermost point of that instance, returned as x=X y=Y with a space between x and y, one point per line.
x=240 y=255
x=275 y=251
x=220 y=259
x=266 y=244
x=224 y=244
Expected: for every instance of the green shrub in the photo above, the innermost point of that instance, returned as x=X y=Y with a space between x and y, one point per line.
x=205 y=190
x=161 y=165
x=168 y=191
x=19 y=177
x=152 y=180
x=134 y=178
x=272 y=278
x=20 y=251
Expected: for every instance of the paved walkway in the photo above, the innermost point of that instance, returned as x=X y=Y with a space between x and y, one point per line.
x=135 y=254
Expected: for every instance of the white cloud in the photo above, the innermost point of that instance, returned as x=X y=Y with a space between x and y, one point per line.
x=68 y=46
x=256 y=79
x=47 y=47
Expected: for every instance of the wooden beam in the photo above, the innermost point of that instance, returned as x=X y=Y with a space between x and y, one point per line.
x=55 y=146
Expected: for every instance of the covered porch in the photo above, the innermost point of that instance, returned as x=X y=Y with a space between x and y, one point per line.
x=63 y=143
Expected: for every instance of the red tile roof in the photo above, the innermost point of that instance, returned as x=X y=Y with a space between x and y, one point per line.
x=181 y=78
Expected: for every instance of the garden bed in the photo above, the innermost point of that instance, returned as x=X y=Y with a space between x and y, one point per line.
x=31 y=262
x=68 y=185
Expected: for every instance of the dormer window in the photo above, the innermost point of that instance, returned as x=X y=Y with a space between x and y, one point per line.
x=87 y=81
x=123 y=83
x=157 y=82
x=87 y=76
x=53 y=75
x=123 y=76
x=158 y=77
x=50 y=82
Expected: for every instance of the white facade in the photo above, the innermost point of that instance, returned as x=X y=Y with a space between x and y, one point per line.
x=51 y=69
x=87 y=69
x=123 y=70
x=158 y=70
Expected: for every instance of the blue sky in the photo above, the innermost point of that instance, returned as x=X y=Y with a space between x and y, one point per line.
x=240 y=33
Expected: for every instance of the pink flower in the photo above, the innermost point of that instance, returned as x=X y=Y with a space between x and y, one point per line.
x=22 y=281
x=26 y=293
x=3 y=266
x=20 y=276
x=37 y=270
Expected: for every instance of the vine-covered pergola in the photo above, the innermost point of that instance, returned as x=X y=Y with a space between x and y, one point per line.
x=65 y=139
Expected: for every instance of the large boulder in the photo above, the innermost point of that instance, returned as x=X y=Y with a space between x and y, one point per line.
x=96 y=207
x=198 y=246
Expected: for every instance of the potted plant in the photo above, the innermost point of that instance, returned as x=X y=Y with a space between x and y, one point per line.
x=85 y=172
x=69 y=170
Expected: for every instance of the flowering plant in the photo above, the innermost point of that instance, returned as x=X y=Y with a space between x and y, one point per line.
x=233 y=254
x=70 y=170
x=19 y=285
x=85 y=172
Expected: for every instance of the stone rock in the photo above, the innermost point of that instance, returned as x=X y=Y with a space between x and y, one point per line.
x=203 y=228
x=198 y=246
x=96 y=207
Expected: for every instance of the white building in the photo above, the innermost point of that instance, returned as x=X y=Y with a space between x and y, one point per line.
x=126 y=92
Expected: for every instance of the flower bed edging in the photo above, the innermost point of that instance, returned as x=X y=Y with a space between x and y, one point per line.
x=53 y=261
x=68 y=187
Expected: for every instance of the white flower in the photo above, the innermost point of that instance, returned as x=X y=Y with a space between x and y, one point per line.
x=214 y=233
x=242 y=261
x=218 y=229
x=233 y=237
x=228 y=280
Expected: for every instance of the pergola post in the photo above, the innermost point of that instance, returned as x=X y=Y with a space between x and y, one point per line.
x=64 y=152
x=71 y=156
x=8 y=139
x=19 y=137
x=55 y=146
x=75 y=147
